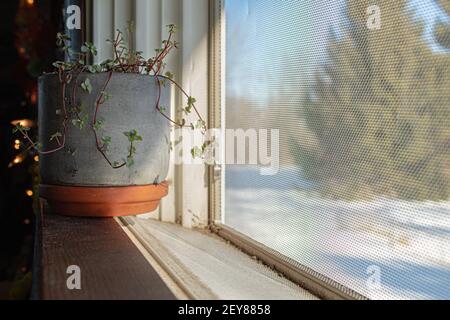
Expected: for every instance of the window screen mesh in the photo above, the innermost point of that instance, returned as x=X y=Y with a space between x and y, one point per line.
x=361 y=96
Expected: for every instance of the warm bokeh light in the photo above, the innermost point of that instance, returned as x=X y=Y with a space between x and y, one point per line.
x=36 y=158
x=24 y=123
x=29 y=193
x=26 y=221
x=30 y=2
x=18 y=159
x=33 y=97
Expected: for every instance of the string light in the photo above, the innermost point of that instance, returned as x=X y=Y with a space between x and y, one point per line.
x=33 y=97
x=17 y=144
x=30 y=2
x=18 y=159
x=24 y=123
x=29 y=193
x=36 y=158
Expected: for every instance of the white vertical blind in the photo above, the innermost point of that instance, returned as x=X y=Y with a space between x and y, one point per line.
x=148 y=17
x=103 y=27
x=187 y=201
x=123 y=13
x=170 y=207
x=195 y=80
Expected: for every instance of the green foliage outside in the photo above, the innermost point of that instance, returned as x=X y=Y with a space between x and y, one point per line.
x=380 y=110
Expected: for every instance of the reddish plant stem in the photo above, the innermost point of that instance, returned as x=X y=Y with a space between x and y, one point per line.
x=187 y=96
x=100 y=100
x=158 y=100
x=118 y=57
x=158 y=58
x=61 y=145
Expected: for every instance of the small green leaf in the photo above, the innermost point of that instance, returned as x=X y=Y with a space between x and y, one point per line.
x=172 y=28
x=55 y=136
x=21 y=128
x=58 y=64
x=190 y=105
x=81 y=122
x=99 y=124
x=132 y=136
x=106 y=96
x=200 y=124
x=71 y=151
x=196 y=152
x=89 y=48
x=76 y=109
x=107 y=64
x=127 y=134
x=169 y=75
x=95 y=68
x=106 y=141
x=61 y=39
x=129 y=162
x=191 y=101
x=86 y=85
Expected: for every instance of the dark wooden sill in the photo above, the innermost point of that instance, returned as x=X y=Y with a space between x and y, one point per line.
x=112 y=268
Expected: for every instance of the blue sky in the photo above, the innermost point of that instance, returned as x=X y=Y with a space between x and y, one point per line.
x=273 y=42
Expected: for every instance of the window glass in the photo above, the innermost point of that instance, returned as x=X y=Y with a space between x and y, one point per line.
x=360 y=93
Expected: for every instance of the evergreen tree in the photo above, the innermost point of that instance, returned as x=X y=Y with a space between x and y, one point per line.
x=380 y=111
x=443 y=30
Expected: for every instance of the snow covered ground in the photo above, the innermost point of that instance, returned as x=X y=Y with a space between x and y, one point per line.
x=408 y=242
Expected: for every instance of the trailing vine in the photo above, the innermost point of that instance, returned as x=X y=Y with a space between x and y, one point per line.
x=125 y=60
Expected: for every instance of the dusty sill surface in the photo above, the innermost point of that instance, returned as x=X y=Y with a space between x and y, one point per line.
x=91 y=259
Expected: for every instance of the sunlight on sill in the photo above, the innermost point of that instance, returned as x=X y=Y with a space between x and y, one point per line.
x=207 y=267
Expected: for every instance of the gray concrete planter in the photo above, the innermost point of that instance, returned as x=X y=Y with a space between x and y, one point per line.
x=131 y=106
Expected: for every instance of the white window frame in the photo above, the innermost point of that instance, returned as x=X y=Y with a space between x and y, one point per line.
x=315 y=282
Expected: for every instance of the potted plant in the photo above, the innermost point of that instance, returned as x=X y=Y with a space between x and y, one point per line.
x=104 y=130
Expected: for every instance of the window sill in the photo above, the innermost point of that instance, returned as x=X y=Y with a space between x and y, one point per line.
x=135 y=259
x=111 y=265
x=205 y=266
